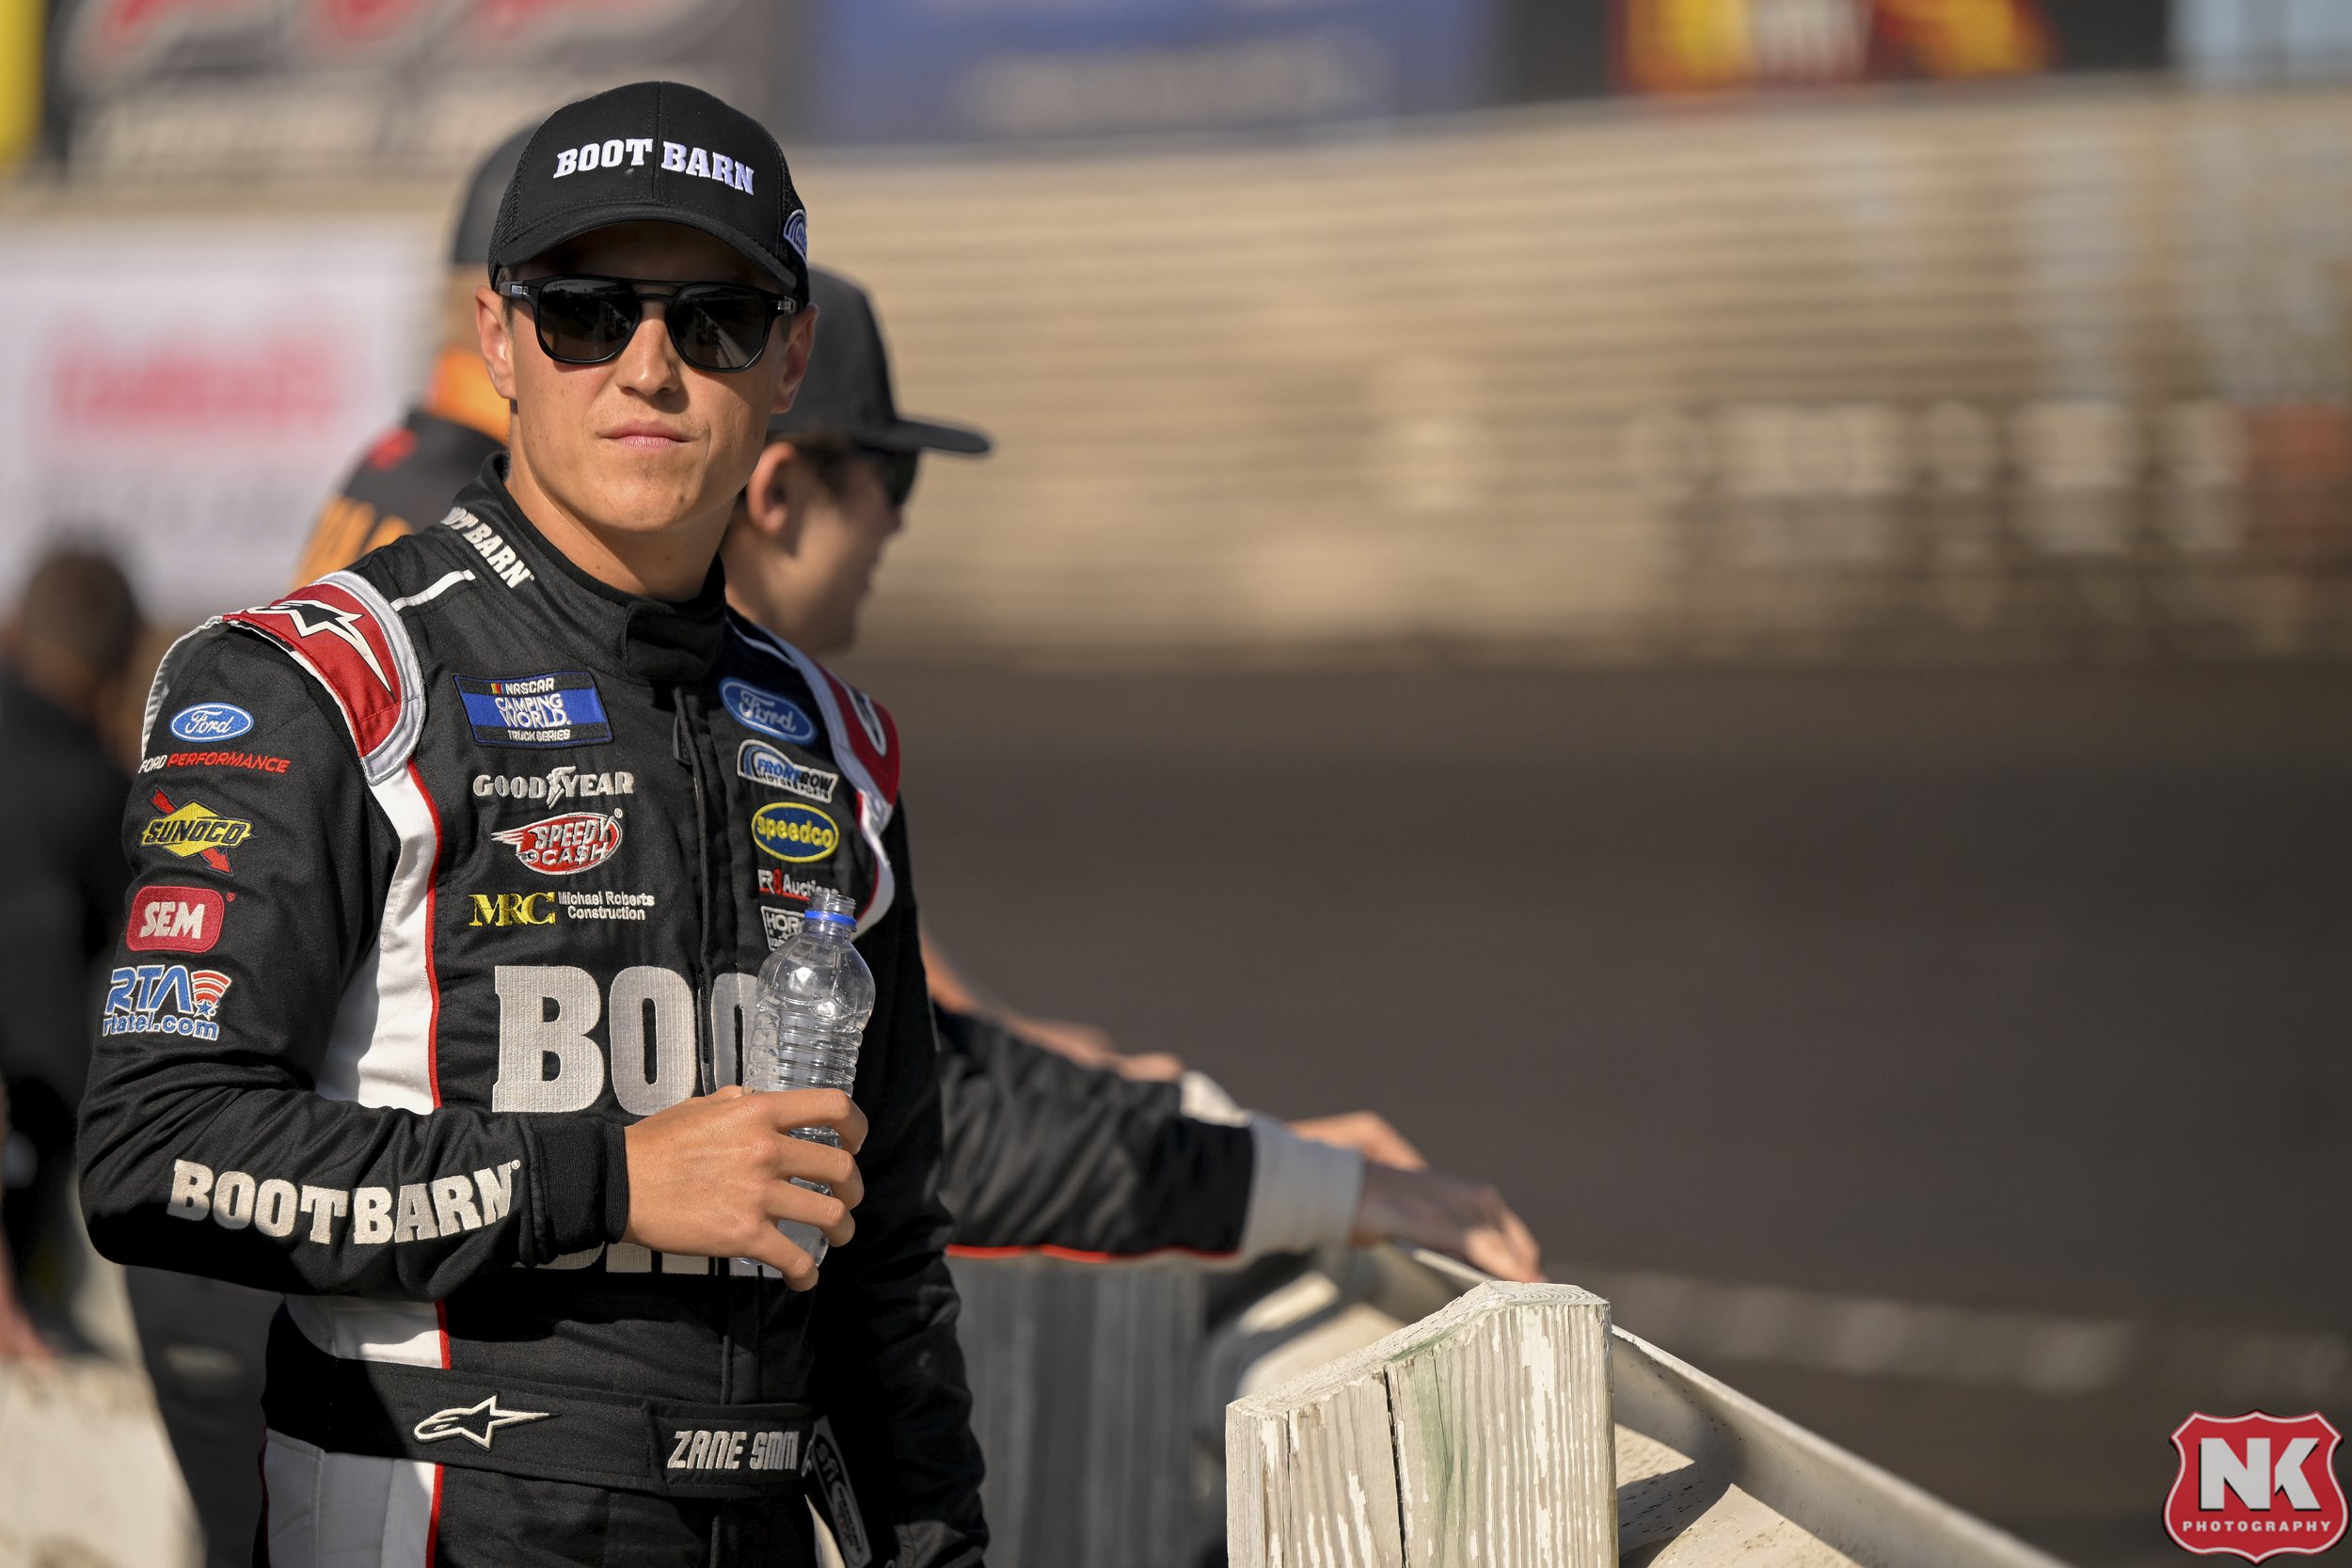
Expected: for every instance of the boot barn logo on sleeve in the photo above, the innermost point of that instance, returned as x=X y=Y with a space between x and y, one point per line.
x=566 y=844
x=2256 y=1485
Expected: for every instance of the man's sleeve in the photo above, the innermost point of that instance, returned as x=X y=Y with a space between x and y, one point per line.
x=891 y=1376
x=226 y=1130
x=1044 y=1152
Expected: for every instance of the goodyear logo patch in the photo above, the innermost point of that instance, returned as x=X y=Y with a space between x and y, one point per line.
x=766 y=712
x=791 y=832
x=558 y=709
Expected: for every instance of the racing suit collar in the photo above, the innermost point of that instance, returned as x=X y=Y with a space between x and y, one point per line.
x=639 y=639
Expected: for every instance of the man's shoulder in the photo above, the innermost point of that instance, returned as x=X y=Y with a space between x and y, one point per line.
x=857 y=724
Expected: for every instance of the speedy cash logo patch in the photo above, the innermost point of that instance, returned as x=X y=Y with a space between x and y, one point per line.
x=791 y=832
x=561 y=707
x=168 y=919
x=564 y=845
x=194 y=828
x=766 y=712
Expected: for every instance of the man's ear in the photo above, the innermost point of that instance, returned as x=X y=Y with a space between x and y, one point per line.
x=769 y=496
x=799 y=342
x=490 y=325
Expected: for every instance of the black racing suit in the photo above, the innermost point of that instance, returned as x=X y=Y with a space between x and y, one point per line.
x=474 y=868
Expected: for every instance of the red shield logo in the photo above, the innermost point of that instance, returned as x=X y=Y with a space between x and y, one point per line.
x=2257 y=1485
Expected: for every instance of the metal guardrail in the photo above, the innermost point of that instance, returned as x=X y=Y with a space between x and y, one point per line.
x=1101 y=1402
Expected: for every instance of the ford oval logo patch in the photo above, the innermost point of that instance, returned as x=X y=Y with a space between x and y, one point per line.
x=791 y=832
x=766 y=712
x=211 y=722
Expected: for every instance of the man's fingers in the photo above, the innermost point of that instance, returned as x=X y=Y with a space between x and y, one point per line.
x=791 y=1108
x=789 y=1201
x=768 y=1245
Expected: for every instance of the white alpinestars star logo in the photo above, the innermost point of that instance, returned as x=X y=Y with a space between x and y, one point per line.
x=336 y=622
x=454 y=1422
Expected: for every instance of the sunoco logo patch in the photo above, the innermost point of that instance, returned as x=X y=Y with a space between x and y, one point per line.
x=791 y=832
x=766 y=712
x=565 y=844
x=558 y=709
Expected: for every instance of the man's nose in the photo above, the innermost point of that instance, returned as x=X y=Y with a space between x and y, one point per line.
x=650 y=362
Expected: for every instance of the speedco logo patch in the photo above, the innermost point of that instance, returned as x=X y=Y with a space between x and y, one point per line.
x=766 y=712
x=795 y=832
x=194 y=830
x=563 y=845
x=2256 y=1485
x=167 y=919
x=762 y=764
x=164 y=999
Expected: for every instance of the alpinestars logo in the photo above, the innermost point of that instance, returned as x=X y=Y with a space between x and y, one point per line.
x=463 y=1421
x=311 y=617
x=2256 y=1485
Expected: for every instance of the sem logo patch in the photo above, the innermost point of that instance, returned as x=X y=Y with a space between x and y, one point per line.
x=766 y=712
x=164 y=999
x=194 y=830
x=762 y=764
x=563 y=845
x=211 y=722
x=558 y=709
x=166 y=919
x=2256 y=1485
x=794 y=832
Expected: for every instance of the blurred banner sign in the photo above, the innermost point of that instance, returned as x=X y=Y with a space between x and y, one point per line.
x=901 y=70
x=188 y=396
x=216 y=90
x=1679 y=46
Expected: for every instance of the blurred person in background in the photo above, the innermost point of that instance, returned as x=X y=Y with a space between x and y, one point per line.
x=64 y=657
x=511 y=1298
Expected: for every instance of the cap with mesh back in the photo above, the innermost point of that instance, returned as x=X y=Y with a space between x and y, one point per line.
x=478 y=213
x=847 y=391
x=656 y=151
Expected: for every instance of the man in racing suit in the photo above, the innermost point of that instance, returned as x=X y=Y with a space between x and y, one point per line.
x=428 y=1007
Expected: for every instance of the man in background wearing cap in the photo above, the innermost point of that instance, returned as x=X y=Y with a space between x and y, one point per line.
x=435 y=1025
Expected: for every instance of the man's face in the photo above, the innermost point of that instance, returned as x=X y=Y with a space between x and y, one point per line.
x=804 y=573
x=644 y=443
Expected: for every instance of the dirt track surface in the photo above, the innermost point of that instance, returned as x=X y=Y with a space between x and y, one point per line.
x=2008 y=992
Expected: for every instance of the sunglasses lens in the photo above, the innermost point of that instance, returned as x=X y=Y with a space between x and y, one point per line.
x=583 y=321
x=720 y=329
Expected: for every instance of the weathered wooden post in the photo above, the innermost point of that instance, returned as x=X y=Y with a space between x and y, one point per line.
x=1482 y=1433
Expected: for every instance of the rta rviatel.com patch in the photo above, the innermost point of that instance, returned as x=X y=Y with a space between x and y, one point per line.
x=2257 y=1485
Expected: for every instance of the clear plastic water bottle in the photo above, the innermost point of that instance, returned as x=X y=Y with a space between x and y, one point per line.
x=815 y=996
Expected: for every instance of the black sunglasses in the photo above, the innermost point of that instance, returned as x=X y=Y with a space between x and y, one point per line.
x=588 y=321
